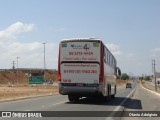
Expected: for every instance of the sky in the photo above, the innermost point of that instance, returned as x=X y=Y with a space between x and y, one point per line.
x=129 y=28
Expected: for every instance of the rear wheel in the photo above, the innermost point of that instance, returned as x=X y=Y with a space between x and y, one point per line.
x=113 y=96
x=72 y=98
x=115 y=89
x=109 y=92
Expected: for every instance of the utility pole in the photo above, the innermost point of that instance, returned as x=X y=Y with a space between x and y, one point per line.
x=44 y=43
x=13 y=67
x=13 y=63
x=154 y=68
x=17 y=69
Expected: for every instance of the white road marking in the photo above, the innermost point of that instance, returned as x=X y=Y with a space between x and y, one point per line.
x=59 y=103
x=150 y=90
x=119 y=106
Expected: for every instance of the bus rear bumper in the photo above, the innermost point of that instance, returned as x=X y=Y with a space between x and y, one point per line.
x=78 y=90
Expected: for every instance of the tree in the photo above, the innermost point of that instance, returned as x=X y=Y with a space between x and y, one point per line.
x=147 y=78
x=141 y=78
x=124 y=76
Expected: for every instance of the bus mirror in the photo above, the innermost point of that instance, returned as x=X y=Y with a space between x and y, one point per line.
x=118 y=71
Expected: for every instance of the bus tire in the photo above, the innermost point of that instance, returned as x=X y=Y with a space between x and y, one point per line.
x=113 y=96
x=115 y=89
x=109 y=92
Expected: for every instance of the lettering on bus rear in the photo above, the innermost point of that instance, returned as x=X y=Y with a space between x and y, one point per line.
x=80 y=51
x=80 y=73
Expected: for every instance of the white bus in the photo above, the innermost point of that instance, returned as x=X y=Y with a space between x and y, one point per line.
x=86 y=68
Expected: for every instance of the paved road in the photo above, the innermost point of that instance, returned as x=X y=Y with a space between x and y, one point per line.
x=143 y=100
x=60 y=103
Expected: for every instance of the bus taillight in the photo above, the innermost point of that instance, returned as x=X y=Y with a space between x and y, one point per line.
x=59 y=77
x=100 y=79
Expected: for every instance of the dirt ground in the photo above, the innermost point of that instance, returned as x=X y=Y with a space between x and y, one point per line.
x=26 y=91
x=122 y=82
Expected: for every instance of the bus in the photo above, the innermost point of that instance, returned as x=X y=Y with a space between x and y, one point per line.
x=86 y=68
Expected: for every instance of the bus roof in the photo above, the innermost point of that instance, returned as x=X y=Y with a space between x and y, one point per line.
x=81 y=39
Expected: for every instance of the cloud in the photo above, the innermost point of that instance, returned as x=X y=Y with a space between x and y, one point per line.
x=155 y=52
x=15 y=29
x=31 y=53
x=115 y=49
x=17 y=47
x=19 y=27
